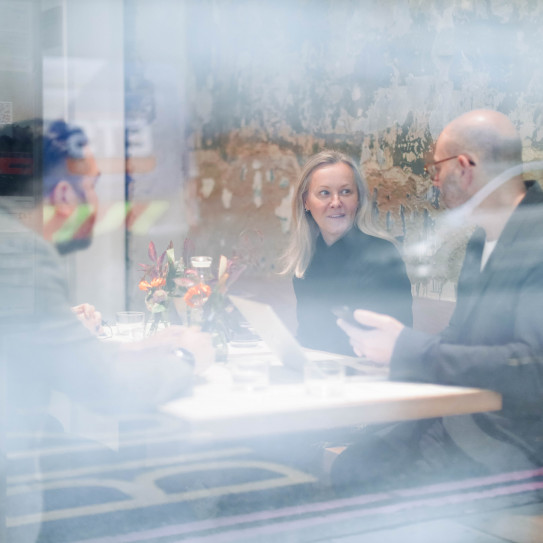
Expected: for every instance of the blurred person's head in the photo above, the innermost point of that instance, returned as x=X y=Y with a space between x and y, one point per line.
x=330 y=197
x=51 y=163
x=471 y=151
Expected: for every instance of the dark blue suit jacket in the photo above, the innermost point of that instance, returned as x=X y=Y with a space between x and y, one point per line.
x=495 y=337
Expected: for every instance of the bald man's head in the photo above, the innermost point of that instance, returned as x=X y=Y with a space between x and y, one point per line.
x=486 y=135
x=473 y=150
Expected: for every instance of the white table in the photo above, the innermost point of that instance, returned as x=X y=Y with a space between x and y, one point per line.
x=217 y=411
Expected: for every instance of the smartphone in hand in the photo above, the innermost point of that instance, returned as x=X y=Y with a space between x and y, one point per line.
x=345 y=313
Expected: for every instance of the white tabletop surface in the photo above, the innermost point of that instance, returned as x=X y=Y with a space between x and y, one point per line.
x=217 y=410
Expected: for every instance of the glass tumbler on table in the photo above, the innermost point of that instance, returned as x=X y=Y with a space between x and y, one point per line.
x=250 y=373
x=131 y=324
x=324 y=377
x=202 y=264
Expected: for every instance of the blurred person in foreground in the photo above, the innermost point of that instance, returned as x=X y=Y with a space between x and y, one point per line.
x=48 y=205
x=337 y=256
x=495 y=336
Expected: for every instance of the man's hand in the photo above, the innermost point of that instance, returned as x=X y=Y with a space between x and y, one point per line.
x=198 y=343
x=91 y=318
x=168 y=340
x=376 y=343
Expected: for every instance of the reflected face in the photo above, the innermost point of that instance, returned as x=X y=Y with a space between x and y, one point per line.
x=76 y=232
x=332 y=199
x=447 y=177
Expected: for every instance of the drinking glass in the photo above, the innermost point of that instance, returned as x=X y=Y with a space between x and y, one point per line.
x=324 y=377
x=131 y=324
x=250 y=374
x=203 y=265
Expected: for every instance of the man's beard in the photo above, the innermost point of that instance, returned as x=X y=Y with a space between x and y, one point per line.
x=81 y=240
x=451 y=195
x=72 y=245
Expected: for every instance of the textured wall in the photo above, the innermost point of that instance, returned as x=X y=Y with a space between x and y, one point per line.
x=271 y=82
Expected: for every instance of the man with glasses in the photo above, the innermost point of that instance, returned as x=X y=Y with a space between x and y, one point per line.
x=495 y=336
x=48 y=205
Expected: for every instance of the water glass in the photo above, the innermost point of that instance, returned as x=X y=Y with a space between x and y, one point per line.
x=250 y=373
x=324 y=377
x=131 y=324
x=203 y=265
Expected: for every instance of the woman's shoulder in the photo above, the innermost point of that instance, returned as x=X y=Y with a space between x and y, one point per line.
x=372 y=240
x=373 y=250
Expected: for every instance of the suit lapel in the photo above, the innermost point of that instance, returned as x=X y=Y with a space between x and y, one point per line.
x=477 y=281
x=470 y=278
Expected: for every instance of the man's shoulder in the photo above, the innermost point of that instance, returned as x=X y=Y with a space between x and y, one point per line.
x=21 y=245
x=31 y=274
x=528 y=217
x=520 y=246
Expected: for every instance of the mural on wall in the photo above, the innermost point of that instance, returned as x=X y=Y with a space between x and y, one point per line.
x=271 y=83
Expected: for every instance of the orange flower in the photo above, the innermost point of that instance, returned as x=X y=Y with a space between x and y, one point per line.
x=201 y=292
x=158 y=282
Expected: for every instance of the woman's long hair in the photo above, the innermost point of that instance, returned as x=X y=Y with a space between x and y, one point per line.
x=304 y=229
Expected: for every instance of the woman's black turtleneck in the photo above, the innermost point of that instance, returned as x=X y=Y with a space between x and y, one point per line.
x=358 y=270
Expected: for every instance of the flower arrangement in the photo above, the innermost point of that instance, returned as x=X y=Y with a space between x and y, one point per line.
x=157 y=282
x=204 y=296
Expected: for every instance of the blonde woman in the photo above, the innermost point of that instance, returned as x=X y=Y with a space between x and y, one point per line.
x=337 y=257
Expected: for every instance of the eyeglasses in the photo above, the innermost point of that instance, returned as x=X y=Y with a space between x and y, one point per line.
x=431 y=170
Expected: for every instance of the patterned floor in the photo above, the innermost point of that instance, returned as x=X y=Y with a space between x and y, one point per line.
x=147 y=484
x=69 y=488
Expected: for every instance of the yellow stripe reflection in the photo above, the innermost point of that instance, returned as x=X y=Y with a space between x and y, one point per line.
x=114 y=218
x=149 y=217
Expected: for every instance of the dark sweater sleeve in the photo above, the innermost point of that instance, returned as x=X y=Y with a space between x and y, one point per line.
x=390 y=293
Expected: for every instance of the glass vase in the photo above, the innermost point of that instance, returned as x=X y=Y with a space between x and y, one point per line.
x=220 y=344
x=179 y=310
x=157 y=321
